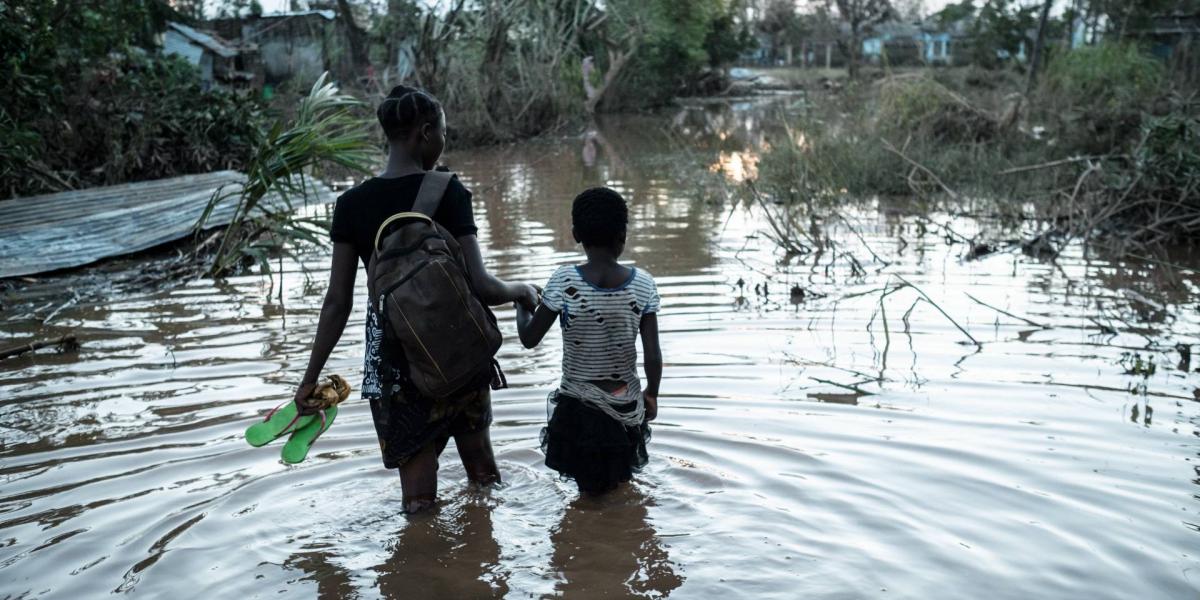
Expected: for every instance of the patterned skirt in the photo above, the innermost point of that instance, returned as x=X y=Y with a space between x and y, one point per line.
x=406 y=421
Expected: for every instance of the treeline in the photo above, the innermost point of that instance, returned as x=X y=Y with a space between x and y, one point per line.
x=90 y=100
x=986 y=33
x=514 y=68
x=1105 y=147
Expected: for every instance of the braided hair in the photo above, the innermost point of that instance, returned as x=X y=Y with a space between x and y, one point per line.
x=406 y=109
x=599 y=216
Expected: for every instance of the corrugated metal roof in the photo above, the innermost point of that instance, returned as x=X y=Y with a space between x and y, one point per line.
x=207 y=40
x=72 y=229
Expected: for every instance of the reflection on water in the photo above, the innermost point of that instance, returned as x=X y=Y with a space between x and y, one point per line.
x=448 y=554
x=629 y=561
x=816 y=438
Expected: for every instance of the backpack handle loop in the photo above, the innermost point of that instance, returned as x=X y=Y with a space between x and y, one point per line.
x=399 y=217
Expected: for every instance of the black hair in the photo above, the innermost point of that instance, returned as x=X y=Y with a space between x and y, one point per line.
x=599 y=216
x=406 y=109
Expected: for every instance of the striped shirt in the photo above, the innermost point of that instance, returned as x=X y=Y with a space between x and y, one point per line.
x=600 y=328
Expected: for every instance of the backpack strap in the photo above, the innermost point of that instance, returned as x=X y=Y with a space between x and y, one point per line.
x=433 y=187
x=393 y=219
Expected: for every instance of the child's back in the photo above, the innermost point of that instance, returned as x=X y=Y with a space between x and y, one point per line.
x=597 y=433
x=600 y=328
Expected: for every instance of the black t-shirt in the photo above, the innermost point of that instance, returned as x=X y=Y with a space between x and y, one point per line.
x=363 y=208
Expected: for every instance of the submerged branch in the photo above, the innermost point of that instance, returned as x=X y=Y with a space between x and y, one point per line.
x=1006 y=313
x=939 y=309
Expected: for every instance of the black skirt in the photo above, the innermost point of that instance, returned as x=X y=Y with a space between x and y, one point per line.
x=584 y=444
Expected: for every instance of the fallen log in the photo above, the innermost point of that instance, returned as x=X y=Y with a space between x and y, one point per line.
x=66 y=342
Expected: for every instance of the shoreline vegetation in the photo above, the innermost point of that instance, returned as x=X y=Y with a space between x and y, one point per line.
x=1103 y=150
x=1105 y=147
x=95 y=101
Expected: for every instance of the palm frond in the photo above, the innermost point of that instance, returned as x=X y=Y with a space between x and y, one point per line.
x=323 y=131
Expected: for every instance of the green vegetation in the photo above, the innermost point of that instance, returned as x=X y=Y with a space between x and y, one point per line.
x=1104 y=149
x=514 y=69
x=1095 y=96
x=324 y=131
x=91 y=101
x=85 y=103
x=676 y=43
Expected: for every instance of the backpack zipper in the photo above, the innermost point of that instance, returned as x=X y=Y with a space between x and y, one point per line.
x=392 y=288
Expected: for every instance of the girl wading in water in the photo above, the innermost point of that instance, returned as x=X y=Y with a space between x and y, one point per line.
x=598 y=432
x=413 y=430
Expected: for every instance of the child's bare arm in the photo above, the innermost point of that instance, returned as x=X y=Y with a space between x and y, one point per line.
x=652 y=362
x=492 y=291
x=532 y=326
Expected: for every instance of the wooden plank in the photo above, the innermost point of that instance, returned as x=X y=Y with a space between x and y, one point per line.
x=71 y=229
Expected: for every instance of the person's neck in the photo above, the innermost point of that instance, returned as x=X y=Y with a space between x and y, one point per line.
x=401 y=163
x=601 y=257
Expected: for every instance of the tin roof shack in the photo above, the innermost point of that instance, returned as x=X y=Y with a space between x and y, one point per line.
x=220 y=62
x=214 y=56
x=293 y=45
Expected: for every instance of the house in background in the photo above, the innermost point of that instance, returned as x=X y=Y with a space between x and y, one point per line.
x=1175 y=38
x=935 y=47
x=216 y=58
x=895 y=43
x=295 y=45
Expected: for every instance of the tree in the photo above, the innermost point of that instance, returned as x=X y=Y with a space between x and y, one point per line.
x=910 y=10
x=780 y=23
x=726 y=40
x=1001 y=30
x=662 y=43
x=359 y=52
x=952 y=14
x=1036 y=57
x=860 y=16
x=401 y=21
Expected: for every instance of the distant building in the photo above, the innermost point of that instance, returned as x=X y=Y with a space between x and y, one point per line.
x=936 y=47
x=299 y=45
x=216 y=58
x=1175 y=38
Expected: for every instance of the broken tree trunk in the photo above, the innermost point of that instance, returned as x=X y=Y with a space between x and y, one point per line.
x=357 y=37
x=617 y=59
x=67 y=342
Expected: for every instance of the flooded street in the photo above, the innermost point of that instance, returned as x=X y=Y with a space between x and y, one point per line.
x=827 y=442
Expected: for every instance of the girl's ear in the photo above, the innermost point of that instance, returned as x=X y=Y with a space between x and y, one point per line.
x=426 y=130
x=575 y=235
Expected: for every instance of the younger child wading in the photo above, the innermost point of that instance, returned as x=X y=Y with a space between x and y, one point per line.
x=598 y=431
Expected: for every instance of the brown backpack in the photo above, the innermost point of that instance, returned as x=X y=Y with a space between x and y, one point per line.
x=419 y=283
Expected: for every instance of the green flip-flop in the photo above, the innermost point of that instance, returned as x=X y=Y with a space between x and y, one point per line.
x=297 y=446
x=282 y=419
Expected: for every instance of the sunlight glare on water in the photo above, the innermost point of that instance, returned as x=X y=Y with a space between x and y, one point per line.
x=822 y=443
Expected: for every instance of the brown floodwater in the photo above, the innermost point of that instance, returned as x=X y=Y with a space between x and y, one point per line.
x=842 y=444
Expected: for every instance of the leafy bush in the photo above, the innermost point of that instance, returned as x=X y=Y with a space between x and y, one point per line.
x=679 y=40
x=1168 y=157
x=86 y=104
x=1108 y=77
x=1097 y=95
x=920 y=107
